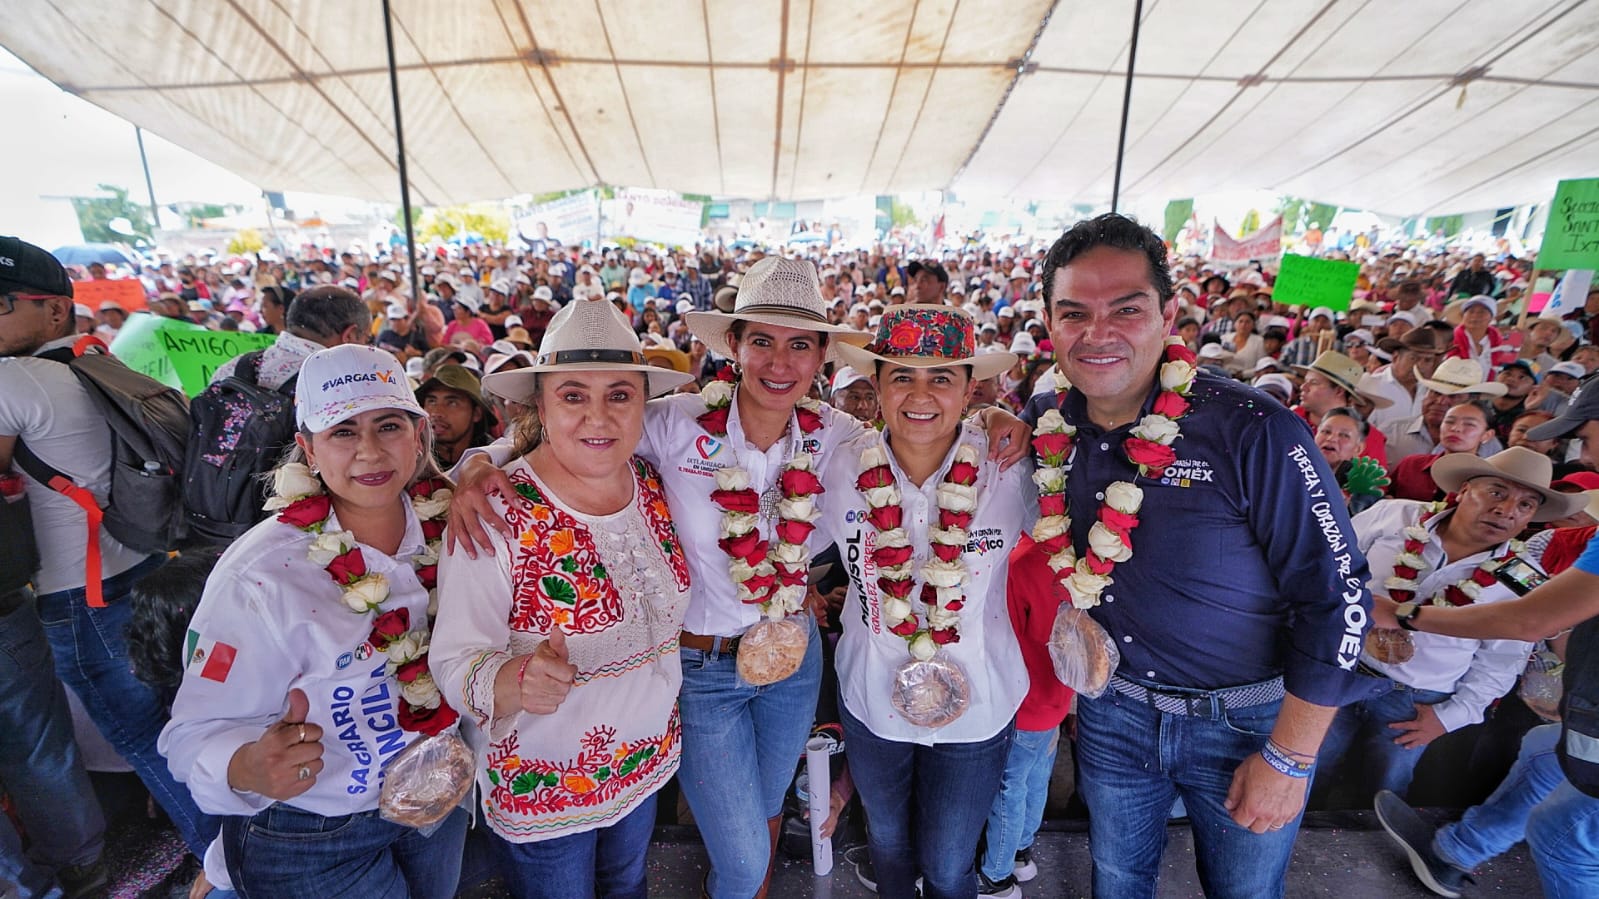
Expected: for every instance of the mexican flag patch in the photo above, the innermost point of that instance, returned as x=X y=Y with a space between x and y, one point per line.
x=211 y=659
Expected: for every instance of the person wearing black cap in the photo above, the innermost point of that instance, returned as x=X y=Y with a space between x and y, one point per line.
x=1578 y=420
x=928 y=282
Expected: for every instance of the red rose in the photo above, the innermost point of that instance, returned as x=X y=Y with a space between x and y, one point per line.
x=425 y=488
x=760 y=585
x=899 y=589
x=390 y=626
x=955 y=605
x=1170 y=404
x=946 y=552
x=929 y=594
x=1121 y=523
x=428 y=576
x=794 y=482
x=737 y=500
x=1404 y=571
x=433 y=529
x=876 y=476
x=1153 y=457
x=948 y=519
x=1051 y=504
x=715 y=421
x=1055 y=544
x=306 y=512
x=792 y=576
x=411 y=670
x=1052 y=447
x=809 y=421
x=1098 y=565
x=945 y=636
x=794 y=531
x=749 y=547
x=905 y=628
x=1483 y=578
x=725 y=373
x=424 y=720
x=347 y=568
x=1181 y=352
x=889 y=556
x=886 y=518
x=962 y=473
x=1456 y=596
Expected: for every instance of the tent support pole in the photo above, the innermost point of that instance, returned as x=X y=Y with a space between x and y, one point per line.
x=399 y=139
x=149 y=186
x=1127 y=104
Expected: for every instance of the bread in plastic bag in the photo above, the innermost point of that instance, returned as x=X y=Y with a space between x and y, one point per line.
x=931 y=693
x=771 y=651
x=1083 y=654
x=1541 y=687
x=427 y=780
x=1390 y=646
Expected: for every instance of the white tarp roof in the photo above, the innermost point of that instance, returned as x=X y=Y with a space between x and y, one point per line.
x=1355 y=103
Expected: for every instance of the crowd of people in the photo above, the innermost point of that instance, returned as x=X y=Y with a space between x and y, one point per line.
x=606 y=520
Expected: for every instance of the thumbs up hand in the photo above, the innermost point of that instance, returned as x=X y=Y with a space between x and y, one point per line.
x=286 y=760
x=546 y=676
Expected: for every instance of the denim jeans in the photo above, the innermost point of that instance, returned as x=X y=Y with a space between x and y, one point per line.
x=91 y=657
x=607 y=862
x=925 y=807
x=286 y=853
x=1133 y=761
x=1018 y=809
x=1535 y=802
x=740 y=746
x=1389 y=766
x=39 y=762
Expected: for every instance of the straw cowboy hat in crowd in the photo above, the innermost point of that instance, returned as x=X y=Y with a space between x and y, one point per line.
x=1345 y=373
x=1456 y=376
x=1517 y=465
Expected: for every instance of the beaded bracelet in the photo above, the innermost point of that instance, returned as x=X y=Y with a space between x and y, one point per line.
x=1283 y=764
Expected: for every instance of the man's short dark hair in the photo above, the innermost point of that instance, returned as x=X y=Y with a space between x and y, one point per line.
x=1187 y=320
x=1109 y=230
x=936 y=269
x=328 y=311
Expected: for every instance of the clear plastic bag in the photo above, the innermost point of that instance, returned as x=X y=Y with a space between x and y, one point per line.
x=771 y=651
x=427 y=780
x=1390 y=646
x=1083 y=654
x=931 y=693
x=1541 y=686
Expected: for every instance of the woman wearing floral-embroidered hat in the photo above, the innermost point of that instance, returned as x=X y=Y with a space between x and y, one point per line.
x=307 y=708
x=735 y=461
x=930 y=671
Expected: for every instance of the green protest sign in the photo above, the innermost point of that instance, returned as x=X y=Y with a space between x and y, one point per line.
x=1306 y=281
x=1571 y=239
x=180 y=354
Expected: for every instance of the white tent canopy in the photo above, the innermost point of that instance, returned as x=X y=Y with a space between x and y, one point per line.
x=1427 y=106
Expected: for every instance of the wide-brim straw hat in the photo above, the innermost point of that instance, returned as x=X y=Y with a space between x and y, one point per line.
x=586 y=337
x=1519 y=466
x=1455 y=376
x=921 y=335
x=1346 y=374
x=775 y=291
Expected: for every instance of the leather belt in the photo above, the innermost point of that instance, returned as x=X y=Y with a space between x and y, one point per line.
x=1200 y=703
x=714 y=645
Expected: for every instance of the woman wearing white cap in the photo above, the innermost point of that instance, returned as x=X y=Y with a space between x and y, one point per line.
x=306 y=663
x=563 y=644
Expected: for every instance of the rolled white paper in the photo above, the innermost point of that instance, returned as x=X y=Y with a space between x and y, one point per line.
x=820 y=777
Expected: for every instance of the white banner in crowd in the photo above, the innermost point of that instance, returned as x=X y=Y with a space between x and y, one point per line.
x=1265 y=244
x=656 y=216
x=572 y=219
x=1570 y=293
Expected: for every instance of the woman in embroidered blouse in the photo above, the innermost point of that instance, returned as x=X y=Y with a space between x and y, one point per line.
x=926 y=526
x=563 y=644
x=294 y=700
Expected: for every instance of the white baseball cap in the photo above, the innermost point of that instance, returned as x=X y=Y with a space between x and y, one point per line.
x=844 y=377
x=339 y=383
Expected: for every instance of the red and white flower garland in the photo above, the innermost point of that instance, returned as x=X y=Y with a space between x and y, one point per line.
x=1410 y=566
x=1110 y=538
x=944 y=574
x=772 y=575
x=305 y=504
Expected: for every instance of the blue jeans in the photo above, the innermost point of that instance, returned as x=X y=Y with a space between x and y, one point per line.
x=925 y=807
x=1019 y=808
x=286 y=853
x=1134 y=761
x=740 y=746
x=39 y=761
x=1535 y=802
x=91 y=657
x=1389 y=766
x=607 y=862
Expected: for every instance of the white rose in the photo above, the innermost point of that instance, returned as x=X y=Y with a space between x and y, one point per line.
x=1107 y=544
x=294 y=480
x=732 y=478
x=896 y=610
x=1051 y=422
x=717 y=393
x=894 y=537
x=942 y=619
x=1176 y=375
x=1400 y=583
x=948 y=537
x=895 y=572
x=1439 y=601
x=798 y=508
x=329 y=546
x=1410 y=560
x=1046 y=529
x=800 y=462
x=367 y=593
x=1471 y=588
x=944 y=574
x=1064 y=560
x=789 y=599
x=1418 y=533
x=428 y=556
x=877 y=497
x=1050 y=479
x=923 y=647
x=949 y=594
x=967 y=453
x=1124 y=497
x=403 y=649
x=1085 y=587
x=790 y=554
x=421 y=692
x=740 y=570
x=737 y=524
x=957 y=497
x=429 y=507
x=873 y=457
x=1157 y=429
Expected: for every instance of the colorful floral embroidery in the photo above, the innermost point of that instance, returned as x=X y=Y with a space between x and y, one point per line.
x=925 y=331
x=603 y=769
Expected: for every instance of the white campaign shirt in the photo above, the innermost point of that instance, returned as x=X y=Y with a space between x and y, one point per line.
x=1403 y=403
x=287 y=627
x=1476 y=671
x=988 y=653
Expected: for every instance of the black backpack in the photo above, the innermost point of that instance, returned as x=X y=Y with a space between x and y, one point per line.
x=1578 y=748
x=240 y=431
x=149 y=424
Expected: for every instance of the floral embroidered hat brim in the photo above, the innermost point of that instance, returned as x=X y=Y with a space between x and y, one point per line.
x=926 y=336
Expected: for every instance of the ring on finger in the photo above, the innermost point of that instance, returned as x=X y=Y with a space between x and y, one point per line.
x=304 y=772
